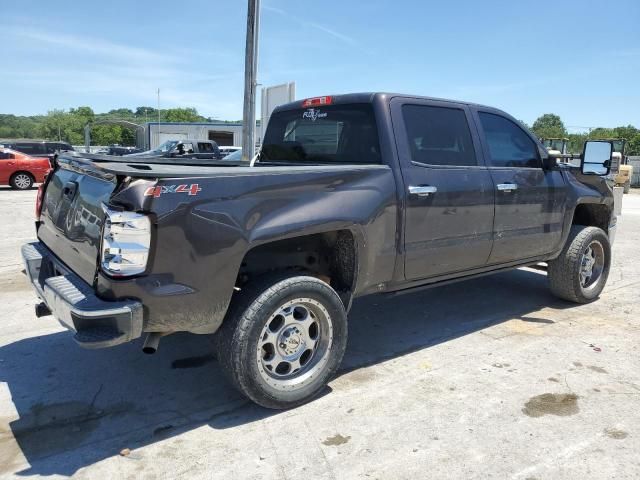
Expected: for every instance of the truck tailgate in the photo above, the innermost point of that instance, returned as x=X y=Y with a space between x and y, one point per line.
x=72 y=215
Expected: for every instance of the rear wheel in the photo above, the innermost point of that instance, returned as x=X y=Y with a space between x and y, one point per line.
x=627 y=186
x=283 y=340
x=580 y=272
x=21 y=181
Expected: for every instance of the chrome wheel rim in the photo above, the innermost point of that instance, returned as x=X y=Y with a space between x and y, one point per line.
x=591 y=265
x=294 y=345
x=22 y=181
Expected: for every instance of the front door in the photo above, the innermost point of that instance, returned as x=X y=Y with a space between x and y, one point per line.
x=530 y=201
x=448 y=191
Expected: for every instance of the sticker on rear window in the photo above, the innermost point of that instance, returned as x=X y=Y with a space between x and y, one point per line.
x=313 y=114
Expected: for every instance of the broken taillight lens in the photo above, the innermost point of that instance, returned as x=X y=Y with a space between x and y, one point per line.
x=126 y=240
x=39 y=198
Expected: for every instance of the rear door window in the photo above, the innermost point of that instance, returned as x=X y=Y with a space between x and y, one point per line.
x=205 y=147
x=323 y=135
x=438 y=135
x=52 y=147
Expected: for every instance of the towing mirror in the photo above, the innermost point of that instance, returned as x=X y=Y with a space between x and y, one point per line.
x=596 y=158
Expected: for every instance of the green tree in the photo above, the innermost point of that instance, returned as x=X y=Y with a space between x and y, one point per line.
x=576 y=142
x=55 y=125
x=181 y=115
x=141 y=112
x=549 y=125
x=602 y=133
x=633 y=145
x=121 y=113
x=627 y=132
x=106 y=134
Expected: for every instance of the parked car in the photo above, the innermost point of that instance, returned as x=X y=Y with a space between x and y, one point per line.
x=21 y=171
x=351 y=195
x=225 y=151
x=37 y=148
x=197 y=149
x=235 y=156
x=118 y=150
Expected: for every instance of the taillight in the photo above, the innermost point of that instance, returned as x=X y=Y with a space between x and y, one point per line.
x=126 y=239
x=317 y=101
x=39 y=197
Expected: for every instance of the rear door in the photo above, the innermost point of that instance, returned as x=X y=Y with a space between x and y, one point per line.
x=449 y=194
x=530 y=202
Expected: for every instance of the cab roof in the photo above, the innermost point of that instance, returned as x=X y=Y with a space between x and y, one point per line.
x=370 y=97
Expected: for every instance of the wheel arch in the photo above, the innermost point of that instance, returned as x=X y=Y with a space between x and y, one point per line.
x=331 y=256
x=592 y=215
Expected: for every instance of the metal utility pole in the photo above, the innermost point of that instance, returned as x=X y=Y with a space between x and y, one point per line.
x=158 y=130
x=250 y=83
x=87 y=138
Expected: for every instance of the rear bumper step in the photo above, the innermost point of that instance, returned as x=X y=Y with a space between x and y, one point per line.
x=97 y=323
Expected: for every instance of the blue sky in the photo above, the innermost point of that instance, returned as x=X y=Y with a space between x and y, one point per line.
x=580 y=59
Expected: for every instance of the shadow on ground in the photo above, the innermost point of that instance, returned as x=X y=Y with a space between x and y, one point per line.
x=77 y=407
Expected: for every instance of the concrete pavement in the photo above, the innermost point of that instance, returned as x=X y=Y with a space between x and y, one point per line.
x=488 y=378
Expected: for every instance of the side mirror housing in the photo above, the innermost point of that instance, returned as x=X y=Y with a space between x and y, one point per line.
x=596 y=157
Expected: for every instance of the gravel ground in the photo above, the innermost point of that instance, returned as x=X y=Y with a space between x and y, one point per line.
x=488 y=378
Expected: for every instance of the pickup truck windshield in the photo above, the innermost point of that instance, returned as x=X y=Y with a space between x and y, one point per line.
x=165 y=147
x=322 y=135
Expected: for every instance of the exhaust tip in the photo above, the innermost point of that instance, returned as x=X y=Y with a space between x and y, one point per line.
x=151 y=343
x=42 y=310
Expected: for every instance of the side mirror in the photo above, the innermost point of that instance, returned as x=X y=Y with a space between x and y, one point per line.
x=596 y=158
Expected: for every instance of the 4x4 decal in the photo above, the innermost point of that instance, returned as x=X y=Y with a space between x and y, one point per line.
x=155 y=192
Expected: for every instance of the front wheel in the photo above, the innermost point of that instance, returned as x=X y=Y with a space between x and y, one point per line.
x=580 y=272
x=283 y=340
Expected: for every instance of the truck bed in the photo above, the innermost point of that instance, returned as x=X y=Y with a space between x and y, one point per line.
x=159 y=167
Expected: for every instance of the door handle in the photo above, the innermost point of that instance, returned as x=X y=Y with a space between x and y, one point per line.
x=507 y=187
x=423 y=190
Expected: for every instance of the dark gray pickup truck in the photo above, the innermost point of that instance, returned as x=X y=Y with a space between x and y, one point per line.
x=350 y=195
x=183 y=149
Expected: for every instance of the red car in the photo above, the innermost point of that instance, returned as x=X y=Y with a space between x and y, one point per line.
x=21 y=171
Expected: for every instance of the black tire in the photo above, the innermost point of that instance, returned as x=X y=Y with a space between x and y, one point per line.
x=240 y=342
x=565 y=271
x=21 y=181
x=627 y=186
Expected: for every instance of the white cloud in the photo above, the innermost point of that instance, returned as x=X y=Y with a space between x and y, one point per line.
x=95 y=46
x=304 y=23
x=96 y=68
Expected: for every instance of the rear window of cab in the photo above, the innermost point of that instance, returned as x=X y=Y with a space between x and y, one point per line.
x=324 y=134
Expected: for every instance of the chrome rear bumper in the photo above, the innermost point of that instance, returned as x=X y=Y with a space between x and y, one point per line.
x=97 y=323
